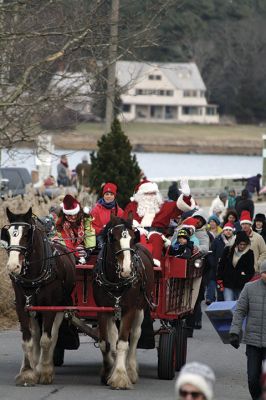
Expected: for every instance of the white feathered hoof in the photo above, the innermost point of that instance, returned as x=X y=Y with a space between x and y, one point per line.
x=119 y=380
x=27 y=378
x=46 y=376
x=133 y=374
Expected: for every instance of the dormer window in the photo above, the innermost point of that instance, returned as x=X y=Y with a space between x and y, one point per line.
x=155 y=77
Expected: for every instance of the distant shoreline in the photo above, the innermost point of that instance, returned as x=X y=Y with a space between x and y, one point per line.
x=82 y=142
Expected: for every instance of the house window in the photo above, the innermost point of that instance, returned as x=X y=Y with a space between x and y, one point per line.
x=190 y=110
x=211 y=111
x=156 y=112
x=155 y=77
x=190 y=93
x=154 y=92
x=126 y=107
x=202 y=93
x=170 y=112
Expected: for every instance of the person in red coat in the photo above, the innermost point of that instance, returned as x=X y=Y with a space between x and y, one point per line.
x=151 y=215
x=103 y=209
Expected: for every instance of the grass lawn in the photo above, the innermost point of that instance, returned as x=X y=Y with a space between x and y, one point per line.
x=147 y=132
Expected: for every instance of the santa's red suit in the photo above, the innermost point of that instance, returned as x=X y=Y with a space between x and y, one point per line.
x=149 y=211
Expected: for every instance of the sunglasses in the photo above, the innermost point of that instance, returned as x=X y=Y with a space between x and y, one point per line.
x=194 y=395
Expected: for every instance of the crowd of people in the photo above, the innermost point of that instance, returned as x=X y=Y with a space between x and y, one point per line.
x=231 y=239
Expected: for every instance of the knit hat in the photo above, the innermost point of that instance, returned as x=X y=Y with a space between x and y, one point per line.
x=260 y=217
x=245 y=217
x=228 y=225
x=199 y=375
x=70 y=205
x=242 y=237
x=214 y=218
x=110 y=187
x=263 y=269
x=183 y=232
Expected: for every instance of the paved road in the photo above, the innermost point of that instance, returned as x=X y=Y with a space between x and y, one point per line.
x=79 y=377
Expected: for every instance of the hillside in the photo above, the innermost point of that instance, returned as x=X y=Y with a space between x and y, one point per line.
x=148 y=137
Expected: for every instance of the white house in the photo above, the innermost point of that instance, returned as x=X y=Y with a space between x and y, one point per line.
x=164 y=92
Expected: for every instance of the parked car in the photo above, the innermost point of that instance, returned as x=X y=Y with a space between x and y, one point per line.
x=14 y=180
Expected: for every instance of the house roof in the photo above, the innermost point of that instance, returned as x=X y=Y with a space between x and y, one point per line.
x=184 y=76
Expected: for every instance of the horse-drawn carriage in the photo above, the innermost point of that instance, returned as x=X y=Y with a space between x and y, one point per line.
x=108 y=301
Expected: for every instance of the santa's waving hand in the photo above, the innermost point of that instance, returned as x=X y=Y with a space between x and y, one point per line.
x=150 y=212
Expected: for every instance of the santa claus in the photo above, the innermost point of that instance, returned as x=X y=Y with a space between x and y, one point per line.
x=151 y=215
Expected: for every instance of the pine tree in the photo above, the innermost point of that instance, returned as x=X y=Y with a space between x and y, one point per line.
x=115 y=163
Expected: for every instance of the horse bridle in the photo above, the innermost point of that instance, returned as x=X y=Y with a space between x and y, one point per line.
x=123 y=282
x=123 y=234
x=47 y=270
x=19 y=248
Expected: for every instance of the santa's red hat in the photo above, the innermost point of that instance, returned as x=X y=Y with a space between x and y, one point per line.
x=229 y=225
x=190 y=222
x=70 y=205
x=245 y=217
x=146 y=186
x=110 y=187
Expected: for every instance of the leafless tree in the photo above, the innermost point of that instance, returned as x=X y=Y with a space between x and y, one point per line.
x=44 y=43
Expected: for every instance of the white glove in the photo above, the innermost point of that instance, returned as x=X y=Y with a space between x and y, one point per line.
x=142 y=231
x=82 y=260
x=167 y=241
x=184 y=187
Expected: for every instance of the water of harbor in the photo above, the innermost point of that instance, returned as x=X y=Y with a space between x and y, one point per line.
x=156 y=166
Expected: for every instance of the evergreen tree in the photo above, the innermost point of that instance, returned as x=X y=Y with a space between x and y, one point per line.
x=115 y=163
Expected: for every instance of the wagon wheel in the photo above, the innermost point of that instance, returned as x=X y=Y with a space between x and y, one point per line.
x=58 y=356
x=181 y=345
x=167 y=355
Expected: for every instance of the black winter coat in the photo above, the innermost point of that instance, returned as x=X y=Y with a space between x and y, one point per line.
x=236 y=277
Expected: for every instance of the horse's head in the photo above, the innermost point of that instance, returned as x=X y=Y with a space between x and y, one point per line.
x=17 y=235
x=122 y=237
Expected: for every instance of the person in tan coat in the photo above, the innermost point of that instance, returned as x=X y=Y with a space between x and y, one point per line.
x=257 y=242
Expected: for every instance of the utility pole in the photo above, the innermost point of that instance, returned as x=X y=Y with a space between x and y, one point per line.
x=109 y=114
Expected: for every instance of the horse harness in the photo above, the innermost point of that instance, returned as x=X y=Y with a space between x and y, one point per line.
x=116 y=290
x=47 y=271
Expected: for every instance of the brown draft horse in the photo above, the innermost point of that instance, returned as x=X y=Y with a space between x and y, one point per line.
x=41 y=274
x=123 y=279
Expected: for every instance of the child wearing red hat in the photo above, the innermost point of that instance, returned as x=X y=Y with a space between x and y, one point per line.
x=103 y=209
x=74 y=228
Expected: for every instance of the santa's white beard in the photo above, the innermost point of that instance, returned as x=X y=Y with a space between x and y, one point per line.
x=148 y=207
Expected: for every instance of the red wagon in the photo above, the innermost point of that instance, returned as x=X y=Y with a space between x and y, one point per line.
x=176 y=288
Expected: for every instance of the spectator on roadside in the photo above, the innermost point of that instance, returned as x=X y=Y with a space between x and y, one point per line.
x=231 y=199
x=195 y=381
x=173 y=192
x=259 y=225
x=253 y=184
x=236 y=267
x=83 y=170
x=251 y=305
x=257 y=242
x=194 y=321
x=225 y=239
x=213 y=226
x=219 y=205
x=232 y=217
x=244 y=203
x=63 y=173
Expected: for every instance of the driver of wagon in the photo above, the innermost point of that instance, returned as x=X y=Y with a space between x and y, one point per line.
x=152 y=215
